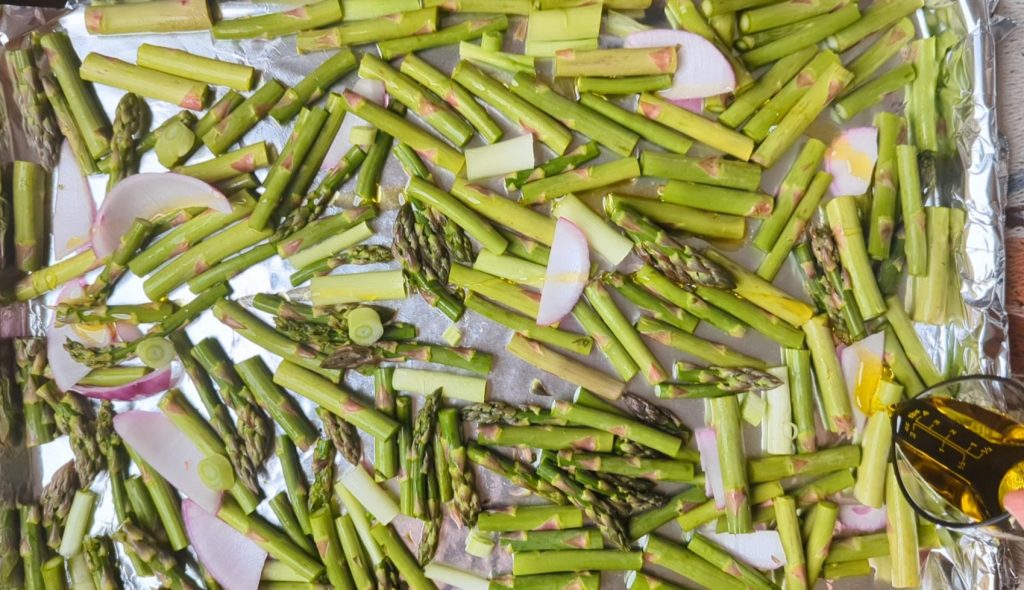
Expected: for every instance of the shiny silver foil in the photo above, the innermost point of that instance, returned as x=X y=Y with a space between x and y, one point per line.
x=981 y=346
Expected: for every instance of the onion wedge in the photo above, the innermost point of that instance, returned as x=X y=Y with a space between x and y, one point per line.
x=567 y=273
x=169 y=451
x=232 y=559
x=703 y=71
x=851 y=161
x=147 y=196
x=73 y=207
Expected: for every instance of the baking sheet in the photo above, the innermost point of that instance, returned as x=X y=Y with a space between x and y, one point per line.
x=963 y=563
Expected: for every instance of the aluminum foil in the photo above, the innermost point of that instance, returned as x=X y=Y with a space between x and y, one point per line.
x=977 y=184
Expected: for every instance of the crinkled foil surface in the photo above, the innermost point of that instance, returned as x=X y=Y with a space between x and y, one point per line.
x=975 y=183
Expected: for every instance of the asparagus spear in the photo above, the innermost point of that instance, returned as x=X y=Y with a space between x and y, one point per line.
x=677 y=261
x=37 y=120
x=465 y=499
x=86 y=111
x=130 y=120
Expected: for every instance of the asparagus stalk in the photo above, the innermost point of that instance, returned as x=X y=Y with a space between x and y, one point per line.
x=282 y=509
x=803 y=113
x=395 y=549
x=874 y=92
x=795 y=228
x=465 y=499
x=888 y=44
x=464 y=31
x=540 y=540
x=86 y=111
x=313 y=86
x=791 y=193
x=686 y=219
x=634 y=467
x=28 y=214
x=188 y=234
x=234 y=120
x=627 y=85
x=891 y=132
x=295 y=481
x=372 y=30
x=572 y=63
x=335 y=400
x=553 y=438
x=352 y=548
x=811 y=32
x=822 y=522
x=250 y=327
x=543 y=126
x=575 y=116
x=303 y=136
x=168 y=505
x=772 y=113
x=715 y=354
x=429 y=147
x=530 y=518
x=915 y=352
x=325 y=535
x=195 y=67
x=518 y=473
x=847 y=229
x=153 y=84
x=568 y=369
x=269 y=26
x=454 y=94
x=425 y=104
x=205 y=255
x=788 y=525
x=582 y=179
x=273 y=541
x=875 y=19
x=687 y=564
x=36 y=120
x=226 y=166
x=703 y=130
x=158 y=17
x=67 y=123
x=32 y=549
x=543 y=562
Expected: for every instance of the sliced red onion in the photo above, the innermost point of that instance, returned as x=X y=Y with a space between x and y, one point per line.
x=857 y=519
x=567 y=273
x=66 y=370
x=232 y=559
x=851 y=161
x=73 y=206
x=127 y=331
x=147 y=196
x=369 y=89
x=707 y=445
x=169 y=451
x=703 y=71
x=760 y=549
x=862 y=368
x=147 y=386
x=694 y=105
